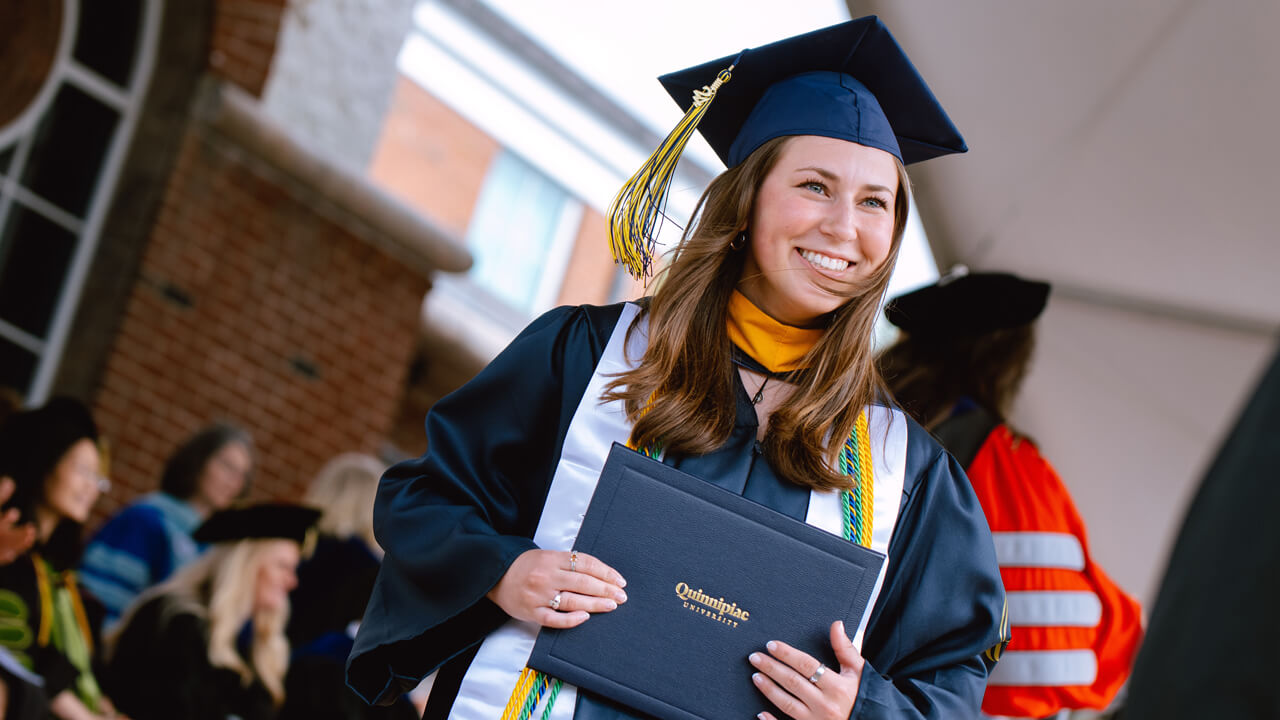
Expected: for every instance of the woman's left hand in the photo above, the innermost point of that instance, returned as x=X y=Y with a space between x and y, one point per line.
x=792 y=680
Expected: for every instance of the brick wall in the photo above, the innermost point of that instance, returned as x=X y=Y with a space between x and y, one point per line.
x=244 y=40
x=252 y=308
x=430 y=157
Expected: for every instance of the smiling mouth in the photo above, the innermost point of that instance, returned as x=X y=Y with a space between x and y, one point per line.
x=826 y=262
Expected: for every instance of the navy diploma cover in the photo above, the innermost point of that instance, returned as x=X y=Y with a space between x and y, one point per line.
x=711 y=577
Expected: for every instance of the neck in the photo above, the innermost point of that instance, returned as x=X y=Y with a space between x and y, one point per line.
x=45 y=521
x=778 y=347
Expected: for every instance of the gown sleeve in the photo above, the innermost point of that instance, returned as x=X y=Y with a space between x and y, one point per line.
x=452 y=521
x=940 y=620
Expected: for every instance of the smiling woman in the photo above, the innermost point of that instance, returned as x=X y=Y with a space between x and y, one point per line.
x=751 y=368
x=52 y=455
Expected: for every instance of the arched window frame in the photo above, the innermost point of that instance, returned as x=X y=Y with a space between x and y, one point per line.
x=19 y=135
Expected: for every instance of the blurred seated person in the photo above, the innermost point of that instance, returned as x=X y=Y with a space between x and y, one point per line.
x=335 y=582
x=208 y=643
x=21 y=691
x=965 y=351
x=50 y=627
x=147 y=541
x=333 y=589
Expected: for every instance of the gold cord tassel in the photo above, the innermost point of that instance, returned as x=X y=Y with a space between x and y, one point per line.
x=642 y=199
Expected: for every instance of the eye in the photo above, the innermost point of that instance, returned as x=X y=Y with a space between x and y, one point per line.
x=816 y=186
x=878 y=203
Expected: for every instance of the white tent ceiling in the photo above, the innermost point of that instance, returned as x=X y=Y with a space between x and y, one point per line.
x=1125 y=152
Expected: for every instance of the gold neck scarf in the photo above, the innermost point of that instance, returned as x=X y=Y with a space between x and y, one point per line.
x=780 y=348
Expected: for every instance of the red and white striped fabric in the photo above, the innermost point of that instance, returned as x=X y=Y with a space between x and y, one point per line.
x=1075 y=632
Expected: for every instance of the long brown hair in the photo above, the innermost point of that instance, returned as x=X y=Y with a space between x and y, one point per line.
x=681 y=395
x=928 y=377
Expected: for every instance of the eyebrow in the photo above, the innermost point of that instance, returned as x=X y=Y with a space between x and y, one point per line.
x=827 y=174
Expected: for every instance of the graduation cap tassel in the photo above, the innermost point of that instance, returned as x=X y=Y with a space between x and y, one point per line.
x=642 y=199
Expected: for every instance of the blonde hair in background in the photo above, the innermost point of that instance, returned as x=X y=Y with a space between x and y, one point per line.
x=344 y=490
x=220 y=587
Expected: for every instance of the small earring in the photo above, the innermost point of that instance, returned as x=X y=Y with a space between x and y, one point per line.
x=739 y=241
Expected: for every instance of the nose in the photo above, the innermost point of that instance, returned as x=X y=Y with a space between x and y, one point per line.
x=841 y=221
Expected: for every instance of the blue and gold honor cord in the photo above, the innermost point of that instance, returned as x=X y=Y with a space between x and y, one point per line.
x=857 y=507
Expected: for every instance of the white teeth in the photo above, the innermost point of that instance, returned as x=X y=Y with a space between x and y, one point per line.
x=823 y=261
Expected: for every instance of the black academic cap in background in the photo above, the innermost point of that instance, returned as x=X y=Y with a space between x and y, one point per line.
x=263 y=521
x=32 y=443
x=963 y=304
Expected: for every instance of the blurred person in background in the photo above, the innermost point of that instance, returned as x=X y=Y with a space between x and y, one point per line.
x=17 y=534
x=966 y=348
x=148 y=540
x=52 y=454
x=209 y=643
x=335 y=582
x=333 y=589
x=21 y=691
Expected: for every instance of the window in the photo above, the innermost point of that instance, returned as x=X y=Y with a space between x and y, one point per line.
x=58 y=162
x=521 y=234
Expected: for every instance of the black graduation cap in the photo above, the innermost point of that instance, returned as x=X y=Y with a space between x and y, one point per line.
x=850 y=81
x=963 y=304
x=263 y=521
x=32 y=443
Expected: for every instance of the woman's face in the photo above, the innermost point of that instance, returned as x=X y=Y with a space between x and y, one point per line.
x=277 y=576
x=75 y=483
x=224 y=476
x=823 y=218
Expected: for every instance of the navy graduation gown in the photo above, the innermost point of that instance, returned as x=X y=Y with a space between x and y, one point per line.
x=452 y=522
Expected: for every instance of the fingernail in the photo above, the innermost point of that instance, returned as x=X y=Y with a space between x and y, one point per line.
x=771 y=645
x=611 y=605
x=622 y=582
x=622 y=597
x=760 y=716
x=757 y=678
x=841 y=623
x=754 y=658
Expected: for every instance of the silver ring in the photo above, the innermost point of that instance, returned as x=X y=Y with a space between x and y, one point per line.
x=573 y=561
x=817 y=674
x=555 y=602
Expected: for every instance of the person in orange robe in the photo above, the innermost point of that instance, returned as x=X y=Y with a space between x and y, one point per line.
x=966 y=347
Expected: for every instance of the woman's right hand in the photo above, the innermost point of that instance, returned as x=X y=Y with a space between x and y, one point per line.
x=537 y=577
